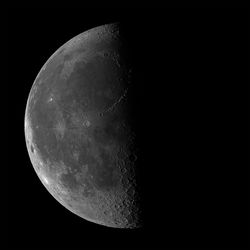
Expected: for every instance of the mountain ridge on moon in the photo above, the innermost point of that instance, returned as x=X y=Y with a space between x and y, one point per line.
x=78 y=129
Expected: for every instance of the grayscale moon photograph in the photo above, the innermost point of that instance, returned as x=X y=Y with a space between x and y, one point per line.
x=77 y=128
x=125 y=127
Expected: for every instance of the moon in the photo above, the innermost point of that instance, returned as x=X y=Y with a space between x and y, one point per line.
x=78 y=129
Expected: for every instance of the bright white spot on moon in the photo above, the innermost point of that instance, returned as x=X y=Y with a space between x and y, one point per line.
x=50 y=98
x=45 y=179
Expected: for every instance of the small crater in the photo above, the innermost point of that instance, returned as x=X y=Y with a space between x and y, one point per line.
x=123 y=170
x=131 y=191
x=32 y=149
x=132 y=157
x=86 y=123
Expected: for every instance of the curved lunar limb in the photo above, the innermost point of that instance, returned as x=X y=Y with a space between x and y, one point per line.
x=78 y=129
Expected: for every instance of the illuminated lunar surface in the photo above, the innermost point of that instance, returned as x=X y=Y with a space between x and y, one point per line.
x=78 y=130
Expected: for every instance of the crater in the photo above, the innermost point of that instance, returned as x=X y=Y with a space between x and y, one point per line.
x=32 y=149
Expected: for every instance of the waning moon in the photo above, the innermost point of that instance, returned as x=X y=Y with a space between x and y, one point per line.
x=78 y=129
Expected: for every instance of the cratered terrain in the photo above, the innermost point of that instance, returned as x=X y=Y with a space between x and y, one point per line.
x=78 y=129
